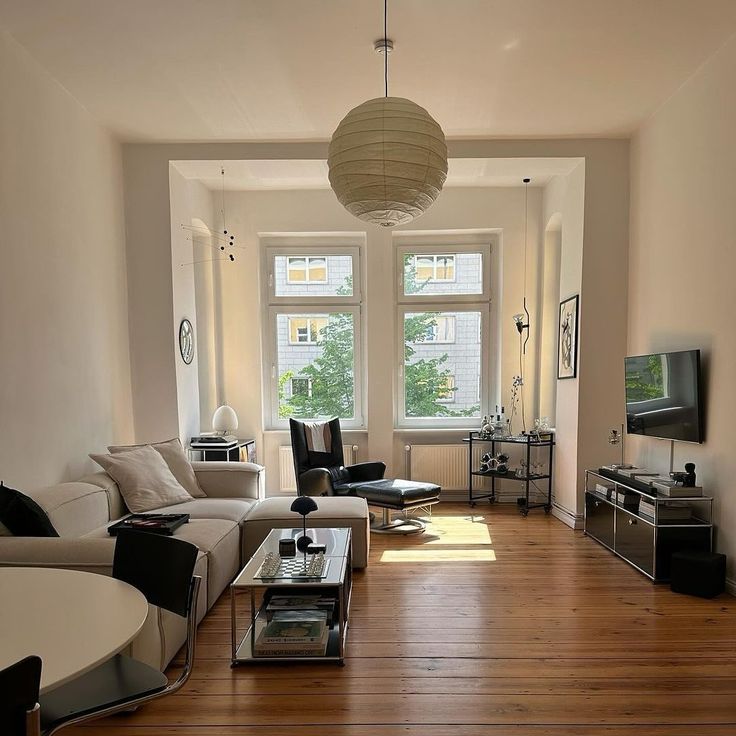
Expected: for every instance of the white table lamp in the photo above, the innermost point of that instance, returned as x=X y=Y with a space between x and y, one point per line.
x=224 y=420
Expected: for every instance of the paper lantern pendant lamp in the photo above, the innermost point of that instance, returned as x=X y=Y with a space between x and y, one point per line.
x=387 y=161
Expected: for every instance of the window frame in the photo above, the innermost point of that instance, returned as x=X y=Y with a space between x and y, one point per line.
x=323 y=245
x=315 y=244
x=488 y=243
x=448 y=245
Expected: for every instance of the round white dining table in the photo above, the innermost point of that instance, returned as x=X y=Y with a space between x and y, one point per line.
x=72 y=620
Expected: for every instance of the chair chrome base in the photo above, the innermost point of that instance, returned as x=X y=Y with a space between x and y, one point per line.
x=402 y=525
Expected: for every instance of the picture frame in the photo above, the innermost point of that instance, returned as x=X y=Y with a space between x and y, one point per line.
x=567 y=339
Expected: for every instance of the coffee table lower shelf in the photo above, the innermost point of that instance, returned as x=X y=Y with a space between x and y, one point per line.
x=244 y=653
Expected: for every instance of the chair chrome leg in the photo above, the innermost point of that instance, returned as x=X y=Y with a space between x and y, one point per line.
x=402 y=525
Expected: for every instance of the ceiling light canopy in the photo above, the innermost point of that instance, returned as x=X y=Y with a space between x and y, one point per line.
x=387 y=159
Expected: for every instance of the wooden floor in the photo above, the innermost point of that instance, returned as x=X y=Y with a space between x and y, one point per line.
x=488 y=624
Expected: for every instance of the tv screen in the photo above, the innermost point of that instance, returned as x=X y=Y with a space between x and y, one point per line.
x=663 y=396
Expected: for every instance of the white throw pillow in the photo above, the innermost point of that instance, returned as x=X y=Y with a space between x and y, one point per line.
x=144 y=479
x=173 y=453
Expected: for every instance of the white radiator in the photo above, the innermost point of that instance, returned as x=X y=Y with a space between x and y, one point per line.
x=286 y=465
x=445 y=465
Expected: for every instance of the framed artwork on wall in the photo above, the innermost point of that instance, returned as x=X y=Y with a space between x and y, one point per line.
x=567 y=339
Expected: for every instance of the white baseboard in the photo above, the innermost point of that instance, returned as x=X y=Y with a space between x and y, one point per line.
x=567 y=517
x=731 y=586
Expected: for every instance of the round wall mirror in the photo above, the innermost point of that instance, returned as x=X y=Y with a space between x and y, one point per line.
x=186 y=341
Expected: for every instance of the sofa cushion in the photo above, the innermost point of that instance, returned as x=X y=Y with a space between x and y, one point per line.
x=23 y=516
x=332 y=511
x=232 y=509
x=144 y=479
x=73 y=508
x=173 y=454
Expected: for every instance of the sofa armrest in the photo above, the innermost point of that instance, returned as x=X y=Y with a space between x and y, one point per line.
x=72 y=553
x=231 y=480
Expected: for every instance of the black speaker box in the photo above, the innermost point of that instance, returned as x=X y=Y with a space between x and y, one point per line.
x=698 y=573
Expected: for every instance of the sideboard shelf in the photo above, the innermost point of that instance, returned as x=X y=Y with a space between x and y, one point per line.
x=644 y=542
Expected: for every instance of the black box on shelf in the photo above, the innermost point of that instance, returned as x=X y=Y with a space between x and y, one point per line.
x=698 y=573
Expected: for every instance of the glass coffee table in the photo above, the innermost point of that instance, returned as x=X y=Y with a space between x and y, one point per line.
x=296 y=614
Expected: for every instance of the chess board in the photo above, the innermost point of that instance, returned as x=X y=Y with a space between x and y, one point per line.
x=293 y=567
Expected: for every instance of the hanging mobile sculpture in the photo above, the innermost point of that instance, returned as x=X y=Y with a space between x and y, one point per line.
x=223 y=241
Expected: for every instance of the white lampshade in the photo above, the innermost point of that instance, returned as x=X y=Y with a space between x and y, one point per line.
x=224 y=419
x=387 y=161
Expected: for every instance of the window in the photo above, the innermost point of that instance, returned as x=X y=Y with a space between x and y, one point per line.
x=433 y=274
x=447 y=389
x=301 y=387
x=441 y=329
x=306 y=330
x=327 y=276
x=309 y=269
x=312 y=330
x=433 y=267
x=446 y=376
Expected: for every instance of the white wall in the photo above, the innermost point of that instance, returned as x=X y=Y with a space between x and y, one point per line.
x=682 y=265
x=64 y=373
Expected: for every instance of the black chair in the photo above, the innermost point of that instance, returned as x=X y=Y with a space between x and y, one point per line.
x=323 y=473
x=162 y=569
x=19 y=686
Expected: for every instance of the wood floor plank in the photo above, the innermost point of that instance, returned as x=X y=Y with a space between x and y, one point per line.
x=553 y=637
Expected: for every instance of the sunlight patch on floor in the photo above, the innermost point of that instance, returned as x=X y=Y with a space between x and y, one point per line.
x=420 y=554
x=456 y=530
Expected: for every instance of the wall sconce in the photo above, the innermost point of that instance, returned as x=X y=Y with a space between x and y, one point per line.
x=522 y=323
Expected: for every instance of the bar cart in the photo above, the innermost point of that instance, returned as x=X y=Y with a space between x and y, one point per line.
x=528 y=478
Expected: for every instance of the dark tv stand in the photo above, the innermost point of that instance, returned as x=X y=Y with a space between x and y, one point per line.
x=646 y=544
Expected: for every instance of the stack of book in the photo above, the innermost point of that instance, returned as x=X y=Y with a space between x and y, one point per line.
x=299 y=602
x=668 y=487
x=295 y=633
x=667 y=511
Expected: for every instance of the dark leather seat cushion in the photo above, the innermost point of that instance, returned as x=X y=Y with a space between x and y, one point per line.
x=396 y=493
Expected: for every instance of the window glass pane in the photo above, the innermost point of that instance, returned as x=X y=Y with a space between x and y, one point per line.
x=458 y=273
x=441 y=372
x=316 y=378
x=313 y=275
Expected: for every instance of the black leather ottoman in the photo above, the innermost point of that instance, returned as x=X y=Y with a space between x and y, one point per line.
x=396 y=495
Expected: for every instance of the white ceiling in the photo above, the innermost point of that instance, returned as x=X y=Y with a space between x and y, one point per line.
x=291 y=69
x=291 y=174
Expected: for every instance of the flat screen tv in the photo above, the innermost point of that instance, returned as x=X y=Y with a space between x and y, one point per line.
x=663 y=396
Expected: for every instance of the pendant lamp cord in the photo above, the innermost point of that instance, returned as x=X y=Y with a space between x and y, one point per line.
x=385 y=46
x=526 y=220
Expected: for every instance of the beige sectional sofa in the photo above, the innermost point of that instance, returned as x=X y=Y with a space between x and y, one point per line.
x=81 y=511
